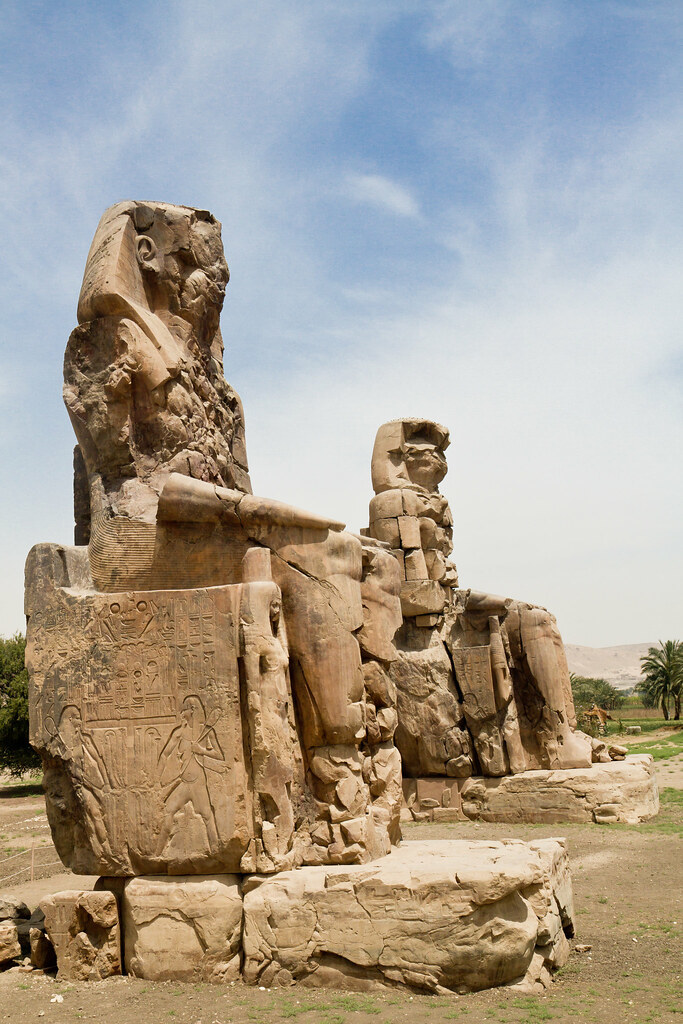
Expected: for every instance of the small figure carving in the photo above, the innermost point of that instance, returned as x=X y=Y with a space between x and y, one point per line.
x=89 y=771
x=270 y=715
x=190 y=751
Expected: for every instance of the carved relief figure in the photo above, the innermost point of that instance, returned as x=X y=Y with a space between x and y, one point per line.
x=89 y=770
x=270 y=716
x=190 y=751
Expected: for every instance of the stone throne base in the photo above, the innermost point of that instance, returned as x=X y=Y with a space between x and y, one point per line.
x=616 y=791
x=432 y=916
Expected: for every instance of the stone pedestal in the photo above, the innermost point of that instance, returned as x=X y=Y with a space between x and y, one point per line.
x=616 y=791
x=185 y=928
x=436 y=916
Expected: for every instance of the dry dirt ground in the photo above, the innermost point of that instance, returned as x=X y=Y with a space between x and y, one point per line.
x=628 y=885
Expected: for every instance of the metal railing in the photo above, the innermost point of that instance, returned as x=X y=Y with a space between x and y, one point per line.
x=34 y=863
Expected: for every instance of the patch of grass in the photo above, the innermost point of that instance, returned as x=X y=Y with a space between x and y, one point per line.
x=13 y=789
x=358 y=1004
x=667 y=746
x=666 y=828
x=296 y=1009
x=534 y=1009
x=646 y=724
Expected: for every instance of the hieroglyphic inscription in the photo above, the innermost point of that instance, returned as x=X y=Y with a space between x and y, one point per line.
x=473 y=671
x=139 y=696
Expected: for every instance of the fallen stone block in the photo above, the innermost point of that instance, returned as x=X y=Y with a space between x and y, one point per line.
x=12 y=907
x=83 y=927
x=435 y=916
x=186 y=928
x=614 y=791
x=24 y=926
x=42 y=951
x=9 y=942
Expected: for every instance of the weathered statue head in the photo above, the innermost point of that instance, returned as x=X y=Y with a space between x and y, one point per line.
x=160 y=259
x=409 y=453
x=143 y=373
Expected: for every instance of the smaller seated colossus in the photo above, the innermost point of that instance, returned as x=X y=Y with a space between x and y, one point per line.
x=482 y=682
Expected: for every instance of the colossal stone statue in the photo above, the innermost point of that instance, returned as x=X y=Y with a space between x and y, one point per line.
x=409 y=514
x=482 y=682
x=199 y=671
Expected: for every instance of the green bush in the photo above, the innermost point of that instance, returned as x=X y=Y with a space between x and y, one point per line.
x=16 y=754
x=588 y=691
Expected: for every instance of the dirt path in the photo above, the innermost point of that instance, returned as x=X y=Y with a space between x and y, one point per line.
x=628 y=884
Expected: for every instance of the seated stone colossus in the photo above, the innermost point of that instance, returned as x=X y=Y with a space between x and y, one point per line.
x=482 y=682
x=209 y=686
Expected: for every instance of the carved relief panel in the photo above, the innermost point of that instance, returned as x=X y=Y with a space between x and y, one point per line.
x=136 y=709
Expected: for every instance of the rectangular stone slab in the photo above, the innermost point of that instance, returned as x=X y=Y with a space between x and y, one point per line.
x=186 y=929
x=615 y=791
x=449 y=915
x=135 y=709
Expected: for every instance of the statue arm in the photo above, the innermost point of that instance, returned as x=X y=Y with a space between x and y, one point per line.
x=187 y=500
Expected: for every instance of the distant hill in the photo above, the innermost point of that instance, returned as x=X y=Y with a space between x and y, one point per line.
x=620 y=666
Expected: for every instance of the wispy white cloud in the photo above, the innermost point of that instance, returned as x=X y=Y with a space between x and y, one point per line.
x=379 y=191
x=503 y=31
x=536 y=313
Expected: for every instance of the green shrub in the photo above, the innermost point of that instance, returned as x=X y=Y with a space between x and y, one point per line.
x=588 y=691
x=16 y=754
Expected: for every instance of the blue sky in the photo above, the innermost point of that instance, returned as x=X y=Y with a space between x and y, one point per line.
x=467 y=211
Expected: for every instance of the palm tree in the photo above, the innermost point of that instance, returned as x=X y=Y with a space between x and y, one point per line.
x=662 y=668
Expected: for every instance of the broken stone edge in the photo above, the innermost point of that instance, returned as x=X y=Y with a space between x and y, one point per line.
x=442 y=916
x=609 y=793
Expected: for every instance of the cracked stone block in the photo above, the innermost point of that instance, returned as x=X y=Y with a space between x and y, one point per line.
x=83 y=928
x=9 y=942
x=617 y=791
x=42 y=950
x=437 y=916
x=186 y=928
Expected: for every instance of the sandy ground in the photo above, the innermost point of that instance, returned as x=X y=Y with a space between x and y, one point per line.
x=628 y=884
